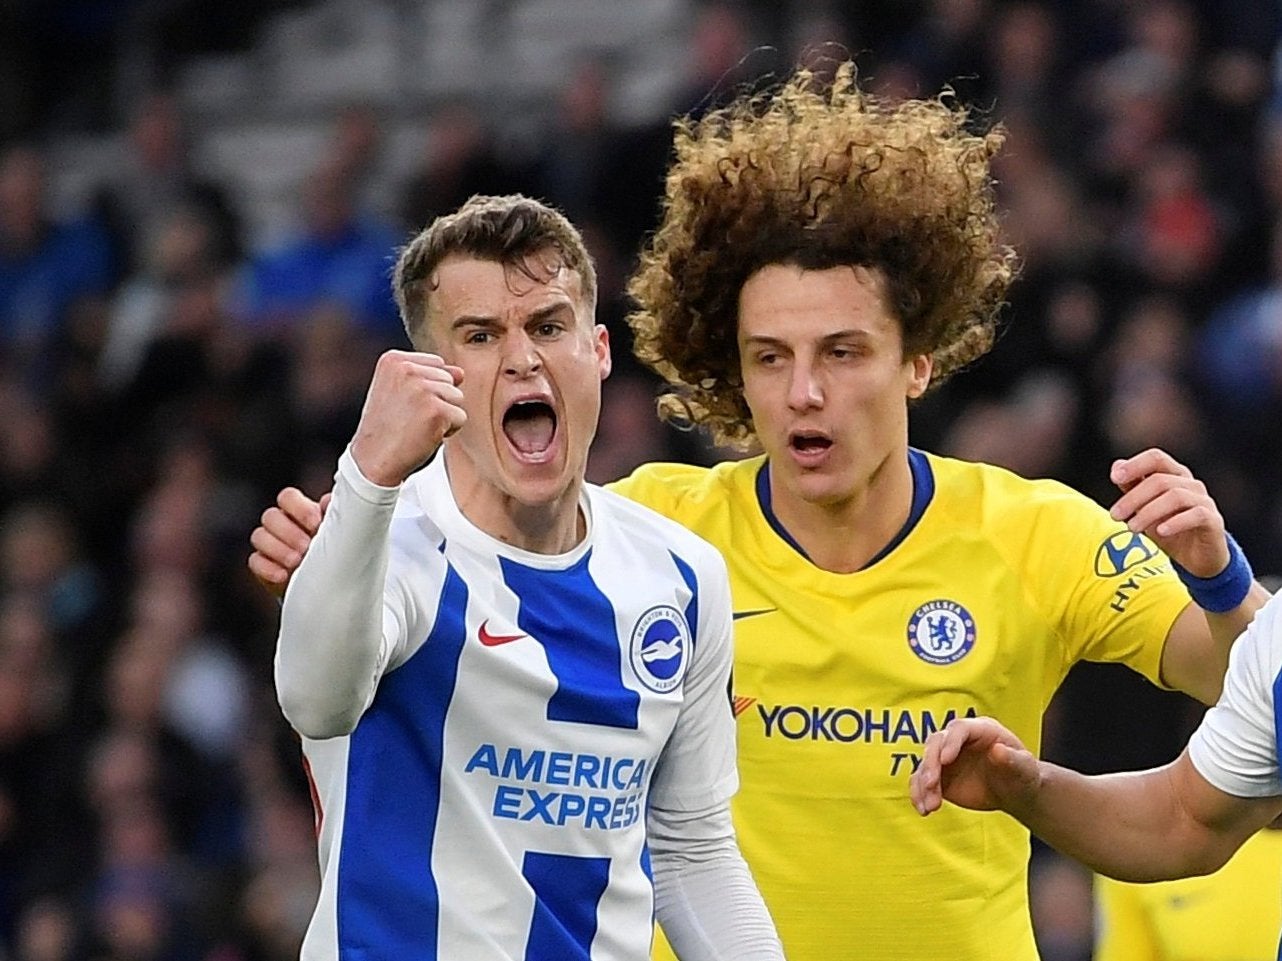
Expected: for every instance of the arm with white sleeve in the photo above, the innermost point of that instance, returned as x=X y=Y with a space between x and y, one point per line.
x=704 y=895
x=343 y=621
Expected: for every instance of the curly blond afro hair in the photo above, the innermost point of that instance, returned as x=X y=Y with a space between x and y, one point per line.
x=818 y=175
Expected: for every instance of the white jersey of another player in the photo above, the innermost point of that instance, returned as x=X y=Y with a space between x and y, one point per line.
x=526 y=712
x=1236 y=746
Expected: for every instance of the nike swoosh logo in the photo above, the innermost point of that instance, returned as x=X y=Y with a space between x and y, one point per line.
x=740 y=615
x=494 y=640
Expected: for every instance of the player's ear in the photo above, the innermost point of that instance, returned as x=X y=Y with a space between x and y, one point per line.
x=920 y=367
x=605 y=362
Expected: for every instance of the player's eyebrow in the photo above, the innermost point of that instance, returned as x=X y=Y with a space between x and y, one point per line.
x=549 y=312
x=474 y=320
x=853 y=333
x=490 y=321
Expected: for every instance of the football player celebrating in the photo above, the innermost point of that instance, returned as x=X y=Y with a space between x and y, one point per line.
x=510 y=685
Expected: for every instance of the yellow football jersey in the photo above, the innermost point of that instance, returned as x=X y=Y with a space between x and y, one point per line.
x=1232 y=915
x=995 y=587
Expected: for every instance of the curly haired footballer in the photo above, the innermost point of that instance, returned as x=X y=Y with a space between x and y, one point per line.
x=818 y=176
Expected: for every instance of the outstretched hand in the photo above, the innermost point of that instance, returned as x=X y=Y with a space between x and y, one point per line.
x=1163 y=500
x=974 y=763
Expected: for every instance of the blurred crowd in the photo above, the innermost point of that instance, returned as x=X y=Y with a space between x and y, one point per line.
x=162 y=374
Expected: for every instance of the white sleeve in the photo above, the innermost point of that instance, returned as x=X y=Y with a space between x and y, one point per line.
x=704 y=896
x=342 y=622
x=1236 y=746
x=697 y=767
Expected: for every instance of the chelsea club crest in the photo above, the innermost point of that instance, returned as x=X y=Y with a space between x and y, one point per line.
x=941 y=632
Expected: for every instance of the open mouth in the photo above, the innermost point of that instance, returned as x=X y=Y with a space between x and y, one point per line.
x=809 y=443
x=530 y=426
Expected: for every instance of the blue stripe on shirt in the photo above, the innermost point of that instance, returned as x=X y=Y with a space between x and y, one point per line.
x=567 y=613
x=388 y=904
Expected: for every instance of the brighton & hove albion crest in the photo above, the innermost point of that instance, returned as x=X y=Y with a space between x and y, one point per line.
x=941 y=632
x=660 y=646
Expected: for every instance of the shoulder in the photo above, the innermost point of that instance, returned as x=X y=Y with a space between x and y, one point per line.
x=977 y=479
x=671 y=488
x=1003 y=499
x=643 y=525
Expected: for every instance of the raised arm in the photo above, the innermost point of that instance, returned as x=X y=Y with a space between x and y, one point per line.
x=342 y=621
x=1162 y=499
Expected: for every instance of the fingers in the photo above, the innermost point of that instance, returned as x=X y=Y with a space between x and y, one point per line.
x=432 y=366
x=1165 y=510
x=1128 y=471
x=284 y=525
x=942 y=748
x=304 y=512
x=960 y=761
x=277 y=551
x=924 y=784
x=1150 y=500
x=272 y=576
x=414 y=401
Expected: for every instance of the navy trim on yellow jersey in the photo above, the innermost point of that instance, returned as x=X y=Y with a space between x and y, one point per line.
x=923 y=493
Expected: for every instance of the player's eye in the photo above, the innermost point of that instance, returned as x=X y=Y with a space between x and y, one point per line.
x=548 y=329
x=478 y=337
x=845 y=352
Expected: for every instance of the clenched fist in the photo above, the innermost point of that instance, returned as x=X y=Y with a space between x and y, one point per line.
x=414 y=402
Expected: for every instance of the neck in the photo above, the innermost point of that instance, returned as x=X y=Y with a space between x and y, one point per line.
x=549 y=527
x=842 y=536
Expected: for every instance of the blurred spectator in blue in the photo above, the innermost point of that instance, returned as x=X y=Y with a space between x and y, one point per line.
x=42 y=557
x=280 y=894
x=142 y=901
x=45 y=267
x=1241 y=347
x=339 y=254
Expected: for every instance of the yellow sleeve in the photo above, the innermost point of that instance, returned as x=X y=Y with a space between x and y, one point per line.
x=1123 y=930
x=1111 y=593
